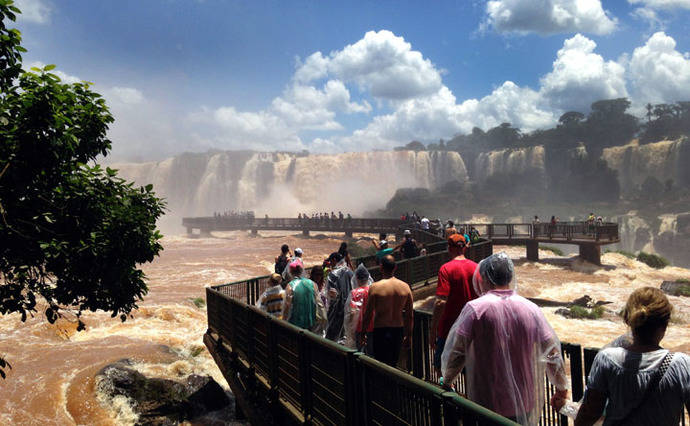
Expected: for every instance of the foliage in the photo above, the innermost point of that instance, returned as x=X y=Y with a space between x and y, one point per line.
x=684 y=290
x=666 y=121
x=72 y=233
x=586 y=313
x=683 y=280
x=412 y=146
x=199 y=302
x=653 y=260
x=554 y=250
x=623 y=252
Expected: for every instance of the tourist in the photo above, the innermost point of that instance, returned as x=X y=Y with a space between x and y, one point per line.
x=382 y=249
x=271 y=300
x=422 y=251
x=345 y=254
x=338 y=287
x=425 y=223
x=640 y=383
x=450 y=229
x=317 y=275
x=389 y=305
x=282 y=259
x=354 y=308
x=474 y=235
x=409 y=246
x=505 y=343
x=301 y=298
x=453 y=291
x=287 y=275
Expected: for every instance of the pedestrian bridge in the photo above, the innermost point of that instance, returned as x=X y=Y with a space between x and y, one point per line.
x=589 y=237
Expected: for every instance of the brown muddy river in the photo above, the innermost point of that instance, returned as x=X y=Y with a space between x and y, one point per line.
x=53 y=376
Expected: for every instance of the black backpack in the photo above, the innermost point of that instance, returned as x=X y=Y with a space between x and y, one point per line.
x=409 y=248
x=281 y=264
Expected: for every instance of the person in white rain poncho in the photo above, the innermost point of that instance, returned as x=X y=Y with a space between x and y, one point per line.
x=505 y=343
x=354 y=307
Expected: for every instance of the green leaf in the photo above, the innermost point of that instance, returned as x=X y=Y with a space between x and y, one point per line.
x=49 y=67
x=148 y=187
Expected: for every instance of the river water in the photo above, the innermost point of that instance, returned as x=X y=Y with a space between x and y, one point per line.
x=54 y=367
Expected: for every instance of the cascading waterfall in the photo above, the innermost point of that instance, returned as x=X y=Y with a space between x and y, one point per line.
x=282 y=184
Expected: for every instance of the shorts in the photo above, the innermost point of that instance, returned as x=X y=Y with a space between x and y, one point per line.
x=440 y=343
x=387 y=344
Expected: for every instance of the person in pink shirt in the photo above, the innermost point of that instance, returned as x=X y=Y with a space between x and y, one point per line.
x=505 y=344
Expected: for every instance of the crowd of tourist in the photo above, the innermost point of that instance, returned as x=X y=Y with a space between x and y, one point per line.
x=235 y=214
x=322 y=217
x=482 y=325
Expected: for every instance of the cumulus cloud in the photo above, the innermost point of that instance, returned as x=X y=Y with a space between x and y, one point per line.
x=548 y=17
x=663 y=4
x=658 y=72
x=381 y=63
x=580 y=77
x=36 y=11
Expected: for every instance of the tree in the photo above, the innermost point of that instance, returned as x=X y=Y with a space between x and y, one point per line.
x=72 y=233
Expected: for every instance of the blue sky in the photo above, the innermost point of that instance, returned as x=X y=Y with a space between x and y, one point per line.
x=194 y=75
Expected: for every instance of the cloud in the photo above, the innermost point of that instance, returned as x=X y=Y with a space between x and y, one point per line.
x=663 y=4
x=580 y=77
x=650 y=16
x=548 y=17
x=36 y=11
x=658 y=72
x=381 y=63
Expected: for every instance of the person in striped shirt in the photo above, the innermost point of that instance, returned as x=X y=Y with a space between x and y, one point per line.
x=271 y=300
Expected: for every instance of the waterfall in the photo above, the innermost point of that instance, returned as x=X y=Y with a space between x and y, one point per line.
x=666 y=160
x=281 y=184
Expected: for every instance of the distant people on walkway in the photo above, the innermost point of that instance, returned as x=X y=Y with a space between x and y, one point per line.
x=425 y=223
x=390 y=307
x=450 y=229
x=301 y=298
x=282 y=259
x=474 y=235
x=505 y=343
x=536 y=220
x=338 y=287
x=639 y=382
x=453 y=291
x=409 y=246
x=354 y=308
x=271 y=300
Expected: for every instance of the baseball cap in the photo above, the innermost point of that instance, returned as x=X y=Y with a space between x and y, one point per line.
x=298 y=250
x=296 y=264
x=383 y=243
x=407 y=232
x=456 y=240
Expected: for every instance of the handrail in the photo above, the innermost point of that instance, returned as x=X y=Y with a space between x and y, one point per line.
x=308 y=379
x=589 y=231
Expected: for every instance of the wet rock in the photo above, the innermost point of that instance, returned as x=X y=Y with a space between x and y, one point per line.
x=565 y=312
x=162 y=401
x=675 y=288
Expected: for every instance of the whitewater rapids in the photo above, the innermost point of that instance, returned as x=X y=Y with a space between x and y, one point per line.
x=53 y=376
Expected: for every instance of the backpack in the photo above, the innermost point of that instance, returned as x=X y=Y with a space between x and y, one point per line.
x=281 y=264
x=409 y=248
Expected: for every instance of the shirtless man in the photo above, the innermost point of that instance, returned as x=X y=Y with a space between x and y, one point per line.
x=390 y=305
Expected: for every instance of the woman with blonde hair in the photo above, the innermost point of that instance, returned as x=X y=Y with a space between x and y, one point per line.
x=639 y=383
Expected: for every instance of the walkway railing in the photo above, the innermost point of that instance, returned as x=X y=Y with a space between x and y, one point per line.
x=301 y=377
x=575 y=231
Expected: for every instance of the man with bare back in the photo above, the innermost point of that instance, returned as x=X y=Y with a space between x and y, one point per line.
x=390 y=305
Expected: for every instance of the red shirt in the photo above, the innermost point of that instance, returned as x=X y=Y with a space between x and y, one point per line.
x=454 y=282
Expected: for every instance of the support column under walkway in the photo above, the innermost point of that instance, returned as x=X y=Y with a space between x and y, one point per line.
x=591 y=253
x=533 y=250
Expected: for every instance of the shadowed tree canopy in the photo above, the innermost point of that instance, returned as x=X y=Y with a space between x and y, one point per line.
x=72 y=233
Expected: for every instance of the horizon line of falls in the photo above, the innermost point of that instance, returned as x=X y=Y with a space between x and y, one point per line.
x=284 y=185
